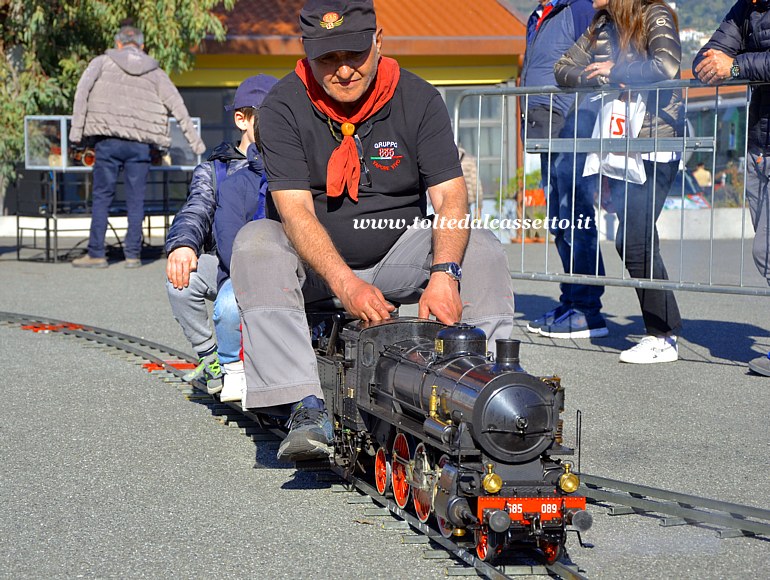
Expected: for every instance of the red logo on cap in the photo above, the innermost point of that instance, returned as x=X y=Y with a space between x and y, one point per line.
x=331 y=20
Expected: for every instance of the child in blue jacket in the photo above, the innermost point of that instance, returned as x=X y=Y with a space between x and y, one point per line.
x=241 y=199
x=191 y=269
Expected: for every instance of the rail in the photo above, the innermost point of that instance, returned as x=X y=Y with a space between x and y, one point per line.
x=170 y=365
x=622 y=498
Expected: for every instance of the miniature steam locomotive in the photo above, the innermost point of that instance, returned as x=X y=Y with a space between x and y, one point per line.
x=428 y=415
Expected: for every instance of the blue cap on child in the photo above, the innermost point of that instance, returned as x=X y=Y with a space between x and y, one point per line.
x=252 y=92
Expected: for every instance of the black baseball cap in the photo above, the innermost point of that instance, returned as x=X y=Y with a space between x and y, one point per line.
x=332 y=25
x=251 y=92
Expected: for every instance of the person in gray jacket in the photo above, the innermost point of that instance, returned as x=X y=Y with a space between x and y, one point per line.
x=123 y=102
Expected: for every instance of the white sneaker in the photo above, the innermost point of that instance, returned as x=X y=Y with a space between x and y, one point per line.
x=652 y=349
x=234 y=382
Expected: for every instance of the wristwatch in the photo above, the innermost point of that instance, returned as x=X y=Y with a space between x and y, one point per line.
x=735 y=70
x=452 y=269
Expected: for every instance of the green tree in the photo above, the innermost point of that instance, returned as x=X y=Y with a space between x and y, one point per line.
x=45 y=45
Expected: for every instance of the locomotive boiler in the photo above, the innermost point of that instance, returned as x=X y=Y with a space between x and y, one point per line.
x=467 y=438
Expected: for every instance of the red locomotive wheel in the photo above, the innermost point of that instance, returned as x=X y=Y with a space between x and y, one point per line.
x=551 y=550
x=444 y=526
x=400 y=475
x=488 y=545
x=482 y=545
x=382 y=471
x=422 y=504
x=422 y=499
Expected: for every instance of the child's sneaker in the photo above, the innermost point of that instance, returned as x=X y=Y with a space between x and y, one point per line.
x=652 y=349
x=209 y=371
x=234 y=382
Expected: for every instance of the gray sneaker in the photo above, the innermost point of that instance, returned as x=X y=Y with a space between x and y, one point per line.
x=310 y=437
x=209 y=370
x=546 y=319
x=761 y=365
x=89 y=262
x=575 y=324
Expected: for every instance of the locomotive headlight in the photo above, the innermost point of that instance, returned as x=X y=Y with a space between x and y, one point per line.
x=498 y=521
x=492 y=483
x=569 y=482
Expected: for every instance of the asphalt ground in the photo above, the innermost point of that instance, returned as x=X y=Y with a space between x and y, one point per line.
x=109 y=472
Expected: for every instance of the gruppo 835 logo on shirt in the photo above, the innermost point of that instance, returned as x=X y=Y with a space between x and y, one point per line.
x=387 y=157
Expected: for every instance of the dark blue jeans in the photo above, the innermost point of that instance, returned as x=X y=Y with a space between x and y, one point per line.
x=542 y=121
x=134 y=158
x=578 y=242
x=571 y=203
x=638 y=244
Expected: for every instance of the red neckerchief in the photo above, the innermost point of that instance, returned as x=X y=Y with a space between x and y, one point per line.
x=344 y=169
x=546 y=9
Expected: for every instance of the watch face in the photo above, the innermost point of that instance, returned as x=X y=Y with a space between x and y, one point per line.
x=735 y=71
x=451 y=268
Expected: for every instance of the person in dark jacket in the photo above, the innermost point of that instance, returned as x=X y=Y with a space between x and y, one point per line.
x=123 y=101
x=637 y=41
x=551 y=30
x=241 y=199
x=739 y=49
x=192 y=265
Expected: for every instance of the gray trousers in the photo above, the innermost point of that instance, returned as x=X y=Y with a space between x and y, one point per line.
x=758 y=194
x=188 y=305
x=272 y=284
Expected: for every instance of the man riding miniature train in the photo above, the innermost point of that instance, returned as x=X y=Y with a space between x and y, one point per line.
x=320 y=126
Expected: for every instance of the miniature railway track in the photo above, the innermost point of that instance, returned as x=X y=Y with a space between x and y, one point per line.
x=164 y=361
x=678 y=508
x=620 y=497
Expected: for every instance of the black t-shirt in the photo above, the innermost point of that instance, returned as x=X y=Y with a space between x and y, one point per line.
x=407 y=146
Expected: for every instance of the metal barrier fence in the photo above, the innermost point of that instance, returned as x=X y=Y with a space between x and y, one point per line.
x=493 y=126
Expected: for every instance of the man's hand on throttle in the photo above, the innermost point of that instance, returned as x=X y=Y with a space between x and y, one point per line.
x=364 y=300
x=442 y=299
